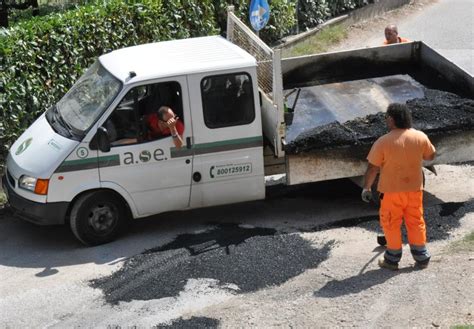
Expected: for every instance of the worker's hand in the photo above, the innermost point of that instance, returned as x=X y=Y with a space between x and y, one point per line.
x=366 y=195
x=171 y=123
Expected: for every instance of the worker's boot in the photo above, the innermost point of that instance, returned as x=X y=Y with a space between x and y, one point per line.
x=383 y=263
x=422 y=265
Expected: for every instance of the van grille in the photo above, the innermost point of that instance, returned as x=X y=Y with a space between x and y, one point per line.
x=10 y=178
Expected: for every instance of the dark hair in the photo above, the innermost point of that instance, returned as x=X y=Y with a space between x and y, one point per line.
x=162 y=111
x=400 y=114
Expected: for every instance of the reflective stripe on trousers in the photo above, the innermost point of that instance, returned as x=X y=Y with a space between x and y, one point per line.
x=394 y=207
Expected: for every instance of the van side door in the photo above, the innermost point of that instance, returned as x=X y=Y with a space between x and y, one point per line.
x=227 y=138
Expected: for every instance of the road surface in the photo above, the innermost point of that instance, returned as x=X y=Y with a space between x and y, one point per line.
x=305 y=257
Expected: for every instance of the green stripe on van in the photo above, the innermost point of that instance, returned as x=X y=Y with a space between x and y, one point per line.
x=227 y=145
x=89 y=163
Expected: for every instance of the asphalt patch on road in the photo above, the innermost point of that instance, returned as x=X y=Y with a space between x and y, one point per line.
x=247 y=257
x=193 y=322
x=450 y=208
x=438 y=113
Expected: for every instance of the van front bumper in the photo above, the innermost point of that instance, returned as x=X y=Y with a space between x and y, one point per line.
x=39 y=213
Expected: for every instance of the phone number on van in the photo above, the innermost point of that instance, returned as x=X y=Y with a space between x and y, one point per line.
x=230 y=170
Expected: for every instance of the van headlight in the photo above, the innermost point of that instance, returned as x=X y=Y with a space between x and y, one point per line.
x=27 y=183
x=35 y=185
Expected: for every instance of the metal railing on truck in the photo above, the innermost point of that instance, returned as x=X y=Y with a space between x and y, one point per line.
x=270 y=80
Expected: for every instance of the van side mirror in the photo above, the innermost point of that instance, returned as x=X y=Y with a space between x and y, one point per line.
x=100 y=140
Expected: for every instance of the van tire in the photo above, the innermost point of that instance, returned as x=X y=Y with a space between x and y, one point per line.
x=98 y=217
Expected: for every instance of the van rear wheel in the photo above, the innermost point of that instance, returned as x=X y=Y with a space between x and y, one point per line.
x=98 y=217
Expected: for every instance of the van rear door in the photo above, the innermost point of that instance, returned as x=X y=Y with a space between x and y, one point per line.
x=227 y=138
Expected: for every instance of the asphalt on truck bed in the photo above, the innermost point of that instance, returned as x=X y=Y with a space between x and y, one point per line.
x=437 y=113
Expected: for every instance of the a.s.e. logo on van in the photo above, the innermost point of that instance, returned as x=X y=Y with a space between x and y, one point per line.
x=143 y=157
x=23 y=146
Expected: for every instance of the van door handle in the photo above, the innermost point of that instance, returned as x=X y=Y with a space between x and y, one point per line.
x=188 y=142
x=188 y=161
x=197 y=176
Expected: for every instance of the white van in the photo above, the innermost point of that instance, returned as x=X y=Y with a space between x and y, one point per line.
x=70 y=163
x=90 y=161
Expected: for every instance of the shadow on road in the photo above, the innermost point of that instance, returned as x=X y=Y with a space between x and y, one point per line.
x=358 y=283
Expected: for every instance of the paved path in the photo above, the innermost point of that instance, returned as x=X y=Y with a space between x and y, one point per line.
x=447 y=26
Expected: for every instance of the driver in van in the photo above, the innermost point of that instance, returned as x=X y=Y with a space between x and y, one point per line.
x=163 y=123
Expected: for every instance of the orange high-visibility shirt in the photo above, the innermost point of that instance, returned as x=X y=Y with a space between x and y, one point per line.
x=400 y=40
x=400 y=154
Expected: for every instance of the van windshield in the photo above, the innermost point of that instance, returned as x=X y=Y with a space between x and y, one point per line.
x=88 y=98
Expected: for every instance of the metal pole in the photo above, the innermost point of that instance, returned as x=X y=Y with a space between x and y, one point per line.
x=297 y=16
x=34 y=4
x=4 y=14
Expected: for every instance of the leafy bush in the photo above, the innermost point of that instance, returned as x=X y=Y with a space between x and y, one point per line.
x=339 y=6
x=282 y=17
x=312 y=13
x=41 y=58
x=282 y=20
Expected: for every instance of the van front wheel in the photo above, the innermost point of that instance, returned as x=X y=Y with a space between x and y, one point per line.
x=98 y=217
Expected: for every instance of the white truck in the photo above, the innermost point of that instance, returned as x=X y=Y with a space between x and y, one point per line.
x=70 y=166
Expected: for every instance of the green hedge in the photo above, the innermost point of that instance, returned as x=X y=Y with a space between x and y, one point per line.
x=313 y=12
x=42 y=57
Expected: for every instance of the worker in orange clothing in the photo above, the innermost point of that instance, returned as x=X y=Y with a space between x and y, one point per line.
x=398 y=158
x=391 y=35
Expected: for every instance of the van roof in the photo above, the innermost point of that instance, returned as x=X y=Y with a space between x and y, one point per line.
x=176 y=57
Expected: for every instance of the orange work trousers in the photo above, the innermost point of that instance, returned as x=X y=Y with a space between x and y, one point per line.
x=396 y=206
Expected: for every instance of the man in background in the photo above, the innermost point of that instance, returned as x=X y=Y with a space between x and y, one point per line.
x=391 y=35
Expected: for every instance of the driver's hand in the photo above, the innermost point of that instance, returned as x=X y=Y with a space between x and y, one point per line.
x=171 y=123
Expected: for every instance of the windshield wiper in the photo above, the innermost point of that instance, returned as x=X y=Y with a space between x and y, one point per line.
x=60 y=119
x=57 y=118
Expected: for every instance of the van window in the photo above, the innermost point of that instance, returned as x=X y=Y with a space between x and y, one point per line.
x=122 y=125
x=227 y=100
x=88 y=98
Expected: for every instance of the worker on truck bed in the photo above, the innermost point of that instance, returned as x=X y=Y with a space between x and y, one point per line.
x=398 y=157
x=391 y=35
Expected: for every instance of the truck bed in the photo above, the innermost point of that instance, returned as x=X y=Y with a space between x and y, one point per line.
x=343 y=86
x=347 y=100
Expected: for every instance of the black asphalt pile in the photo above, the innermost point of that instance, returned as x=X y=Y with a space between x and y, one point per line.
x=436 y=113
x=250 y=258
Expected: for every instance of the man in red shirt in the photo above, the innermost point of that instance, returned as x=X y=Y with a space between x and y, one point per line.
x=398 y=157
x=163 y=123
x=391 y=35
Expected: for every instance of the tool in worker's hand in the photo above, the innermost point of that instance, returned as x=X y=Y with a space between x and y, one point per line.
x=381 y=240
x=366 y=195
x=432 y=169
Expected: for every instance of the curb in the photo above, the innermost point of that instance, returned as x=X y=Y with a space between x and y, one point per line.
x=298 y=38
